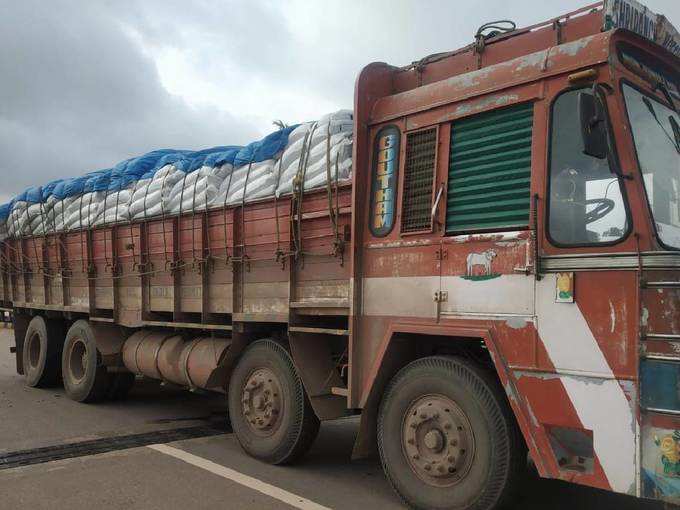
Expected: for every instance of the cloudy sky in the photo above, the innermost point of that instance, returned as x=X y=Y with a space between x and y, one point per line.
x=85 y=83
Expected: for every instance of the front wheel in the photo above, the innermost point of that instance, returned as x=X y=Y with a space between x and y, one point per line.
x=447 y=437
x=269 y=410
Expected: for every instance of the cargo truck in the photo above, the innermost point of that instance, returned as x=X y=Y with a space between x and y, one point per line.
x=500 y=281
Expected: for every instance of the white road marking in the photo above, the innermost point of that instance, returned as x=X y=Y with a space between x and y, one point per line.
x=247 y=481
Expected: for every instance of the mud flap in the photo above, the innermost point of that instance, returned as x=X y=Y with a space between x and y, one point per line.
x=20 y=327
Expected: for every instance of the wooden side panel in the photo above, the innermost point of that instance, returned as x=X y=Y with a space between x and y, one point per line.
x=220 y=277
x=324 y=273
x=200 y=268
x=191 y=255
x=266 y=229
x=76 y=252
x=129 y=289
x=160 y=236
x=102 y=266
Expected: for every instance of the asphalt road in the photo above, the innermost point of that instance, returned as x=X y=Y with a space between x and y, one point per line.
x=209 y=472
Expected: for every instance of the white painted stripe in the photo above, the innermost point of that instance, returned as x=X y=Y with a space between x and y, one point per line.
x=600 y=402
x=247 y=481
x=603 y=408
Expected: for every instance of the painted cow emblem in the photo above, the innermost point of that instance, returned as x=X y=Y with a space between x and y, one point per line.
x=483 y=259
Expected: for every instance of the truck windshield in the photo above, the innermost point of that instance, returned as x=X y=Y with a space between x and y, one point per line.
x=656 y=144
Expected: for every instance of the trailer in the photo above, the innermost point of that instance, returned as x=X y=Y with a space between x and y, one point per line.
x=501 y=279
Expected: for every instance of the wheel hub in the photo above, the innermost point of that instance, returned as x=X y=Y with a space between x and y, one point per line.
x=78 y=360
x=434 y=440
x=33 y=348
x=262 y=402
x=437 y=440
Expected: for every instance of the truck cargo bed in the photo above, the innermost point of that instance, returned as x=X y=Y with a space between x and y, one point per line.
x=253 y=263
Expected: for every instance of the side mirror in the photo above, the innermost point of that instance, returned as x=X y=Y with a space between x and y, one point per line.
x=593 y=128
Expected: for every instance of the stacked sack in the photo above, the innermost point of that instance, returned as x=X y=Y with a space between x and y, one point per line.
x=26 y=211
x=149 y=196
x=312 y=146
x=255 y=170
x=83 y=210
x=171 y=181
x=256 y=180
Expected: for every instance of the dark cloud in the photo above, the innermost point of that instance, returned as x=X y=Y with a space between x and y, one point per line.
x=79 y=94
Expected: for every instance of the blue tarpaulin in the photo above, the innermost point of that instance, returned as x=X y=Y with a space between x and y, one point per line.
x=222 y=158
x=93 y=178
x=167 y=159
x=144 y=167
x=5 y=209
x=48 y=189
x=32 y=195
x=69 y=187
x=264 y=149
x=205 y=157
x=137 y=167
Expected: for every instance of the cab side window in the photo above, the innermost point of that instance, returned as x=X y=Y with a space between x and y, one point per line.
x=586 y=204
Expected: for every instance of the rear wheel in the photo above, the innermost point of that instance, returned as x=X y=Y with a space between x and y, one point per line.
x=85 y=378
x=447 y=437
x=269 y=410
x=42 y=352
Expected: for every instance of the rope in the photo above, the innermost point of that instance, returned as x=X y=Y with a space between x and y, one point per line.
x=337 y=248
x=279 y=253
x=243 y=213
x=224 y=214
x=298 y=192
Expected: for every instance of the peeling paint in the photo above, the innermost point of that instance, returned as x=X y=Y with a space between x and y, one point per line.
x=491 y=102
x=495 y=237
x=644 y=317
x=532 y=416
x=549 y=376
x=612 y=316
x=573 y=48
x=510 y=393
x=532 y=60
x=516 y=322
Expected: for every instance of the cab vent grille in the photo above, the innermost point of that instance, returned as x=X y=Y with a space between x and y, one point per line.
x=416 y=207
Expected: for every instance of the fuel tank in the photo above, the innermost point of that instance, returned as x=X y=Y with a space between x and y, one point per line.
x=170 y=357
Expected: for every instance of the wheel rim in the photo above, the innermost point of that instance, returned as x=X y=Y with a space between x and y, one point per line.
x=437 y=440
x=33 y=349
x=262 y=402
x=77 y=360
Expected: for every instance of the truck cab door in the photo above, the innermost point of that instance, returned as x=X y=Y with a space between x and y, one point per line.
x=486 y=251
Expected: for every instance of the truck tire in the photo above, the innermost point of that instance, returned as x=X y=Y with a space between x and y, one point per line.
x=42 y=352
x=85 y=378
x=120 y=386
x=447 y=437
x=268 y=407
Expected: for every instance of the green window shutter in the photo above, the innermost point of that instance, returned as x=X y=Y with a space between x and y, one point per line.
x=490 y=170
